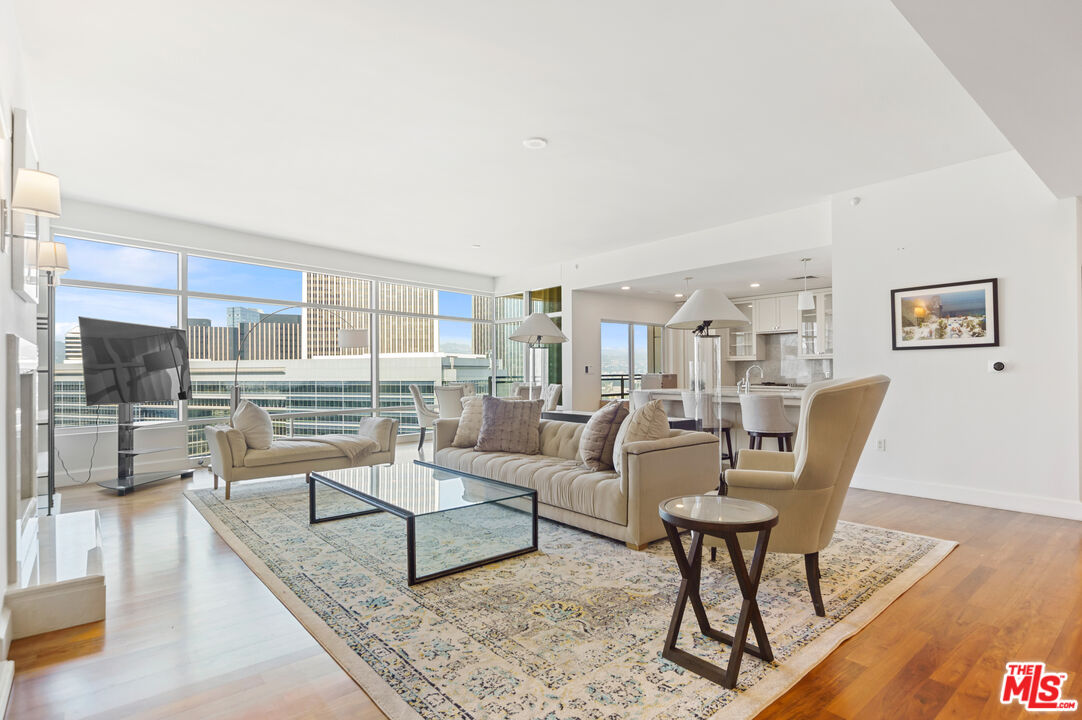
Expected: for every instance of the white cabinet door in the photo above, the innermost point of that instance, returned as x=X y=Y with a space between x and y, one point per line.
x=788 y=314
x=766 y=315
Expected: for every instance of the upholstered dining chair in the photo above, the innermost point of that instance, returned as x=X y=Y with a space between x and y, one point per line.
x=551 y=396
x=808 y=485
x=426 y=414
x=449 y=400
x=525 y=391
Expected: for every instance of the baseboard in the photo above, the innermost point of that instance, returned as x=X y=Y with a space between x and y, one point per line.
x=1017 y=502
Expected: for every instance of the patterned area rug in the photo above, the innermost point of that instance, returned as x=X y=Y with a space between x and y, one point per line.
x=573 y=631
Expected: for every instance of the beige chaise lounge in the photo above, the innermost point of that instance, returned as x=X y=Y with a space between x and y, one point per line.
x=232 y=459
x=619 y=506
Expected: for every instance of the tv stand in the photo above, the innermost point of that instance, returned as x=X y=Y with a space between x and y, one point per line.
x=127 y=480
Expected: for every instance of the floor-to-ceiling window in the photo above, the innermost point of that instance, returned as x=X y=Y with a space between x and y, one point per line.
x=277 y=329
x=627 y=351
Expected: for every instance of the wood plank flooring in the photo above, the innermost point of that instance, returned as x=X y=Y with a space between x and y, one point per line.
x=192 y=633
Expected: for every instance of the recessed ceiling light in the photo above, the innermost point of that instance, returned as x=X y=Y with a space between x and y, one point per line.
x=679 y=295
x=755 y=284
x=625 y=287
x=534 y=143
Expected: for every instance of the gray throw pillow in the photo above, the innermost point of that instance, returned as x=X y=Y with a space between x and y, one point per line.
x=510 y=425
x=599 y=435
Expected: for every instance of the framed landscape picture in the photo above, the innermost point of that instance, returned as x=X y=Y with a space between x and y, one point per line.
x=952 y=315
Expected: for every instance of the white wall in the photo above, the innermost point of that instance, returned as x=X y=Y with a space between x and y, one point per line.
x=16 y=316
x=129 y=224
x=954 y=431
x=586 y=311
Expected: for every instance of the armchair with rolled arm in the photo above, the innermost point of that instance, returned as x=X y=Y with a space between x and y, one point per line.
x=808 y=485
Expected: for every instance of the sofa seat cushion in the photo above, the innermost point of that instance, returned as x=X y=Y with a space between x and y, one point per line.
x=287 y=451
x=558 y=481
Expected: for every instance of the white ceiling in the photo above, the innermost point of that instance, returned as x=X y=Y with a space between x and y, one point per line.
x=394 y=128
x=774 y=274
x=1022 y=61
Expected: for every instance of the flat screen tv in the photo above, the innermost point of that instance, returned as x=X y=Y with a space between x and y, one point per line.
x=129 y=363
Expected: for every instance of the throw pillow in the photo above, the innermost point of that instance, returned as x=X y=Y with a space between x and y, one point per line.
x=649 y=422
x=255 y=424
x=510 y=426
x=469 y=422
x=599 y=435
x=523 y=392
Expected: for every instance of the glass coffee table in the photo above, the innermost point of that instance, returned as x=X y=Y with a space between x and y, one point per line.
x=454 y=521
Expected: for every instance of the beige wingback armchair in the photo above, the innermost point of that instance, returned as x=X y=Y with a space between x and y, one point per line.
x=808 y=485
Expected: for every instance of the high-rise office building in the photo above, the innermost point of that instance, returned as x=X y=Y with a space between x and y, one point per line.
x=278 y=337
x=234 y=316
x=397 y=334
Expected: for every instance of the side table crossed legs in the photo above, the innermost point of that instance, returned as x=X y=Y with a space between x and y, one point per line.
x=690 y=565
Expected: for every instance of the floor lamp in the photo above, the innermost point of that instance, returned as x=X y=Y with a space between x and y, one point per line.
x=705 y=310
x=349 y=338
x=537 y=330
x=53 y=261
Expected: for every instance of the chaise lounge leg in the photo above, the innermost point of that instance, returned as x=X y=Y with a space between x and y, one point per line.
x=421 y=442
x=215 y=482
x=226 y=489
x=308 y=477
x=811 y=568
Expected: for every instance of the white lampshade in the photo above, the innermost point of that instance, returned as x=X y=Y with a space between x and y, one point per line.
x=805 y=301
x=707 y=304
x=538 y=329
x=352 y=338
x=53 y=257
x=36 y=193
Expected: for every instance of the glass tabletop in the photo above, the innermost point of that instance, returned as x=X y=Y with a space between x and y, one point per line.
x=422 y=489
x=718 y=509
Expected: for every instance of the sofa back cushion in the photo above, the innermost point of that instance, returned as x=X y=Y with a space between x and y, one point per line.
x=509 y=425
x=560 y=439
x=469 y=422
x=599 y=436
x=255 y=424
x=649 y=422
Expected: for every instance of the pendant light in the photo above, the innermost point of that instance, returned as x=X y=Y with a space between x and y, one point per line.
x=805 y=300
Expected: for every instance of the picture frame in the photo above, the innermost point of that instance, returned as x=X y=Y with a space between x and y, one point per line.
x=25 y=229
x=947 y=315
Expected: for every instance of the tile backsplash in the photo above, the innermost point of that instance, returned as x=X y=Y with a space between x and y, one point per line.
x=781 y=364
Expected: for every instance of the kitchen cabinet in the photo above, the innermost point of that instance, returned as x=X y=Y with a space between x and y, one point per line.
x=740 y=343
x=817 y=328
x=777 y=314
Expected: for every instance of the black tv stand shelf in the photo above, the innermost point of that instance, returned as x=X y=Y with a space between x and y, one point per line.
x=127 y=480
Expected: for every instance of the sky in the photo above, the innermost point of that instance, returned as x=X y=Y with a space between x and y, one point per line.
x=104 y=262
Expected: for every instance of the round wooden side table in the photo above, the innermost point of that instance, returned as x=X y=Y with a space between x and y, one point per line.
x=720 y=517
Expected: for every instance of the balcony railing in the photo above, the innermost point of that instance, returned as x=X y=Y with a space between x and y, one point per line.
x=611 y=381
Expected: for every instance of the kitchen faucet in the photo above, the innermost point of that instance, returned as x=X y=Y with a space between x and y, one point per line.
x=747 y=378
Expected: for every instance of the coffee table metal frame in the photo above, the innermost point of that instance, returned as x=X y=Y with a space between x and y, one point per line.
x=690 y=565
x=379 y=505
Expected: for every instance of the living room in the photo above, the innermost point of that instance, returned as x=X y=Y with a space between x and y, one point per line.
x=657 y=258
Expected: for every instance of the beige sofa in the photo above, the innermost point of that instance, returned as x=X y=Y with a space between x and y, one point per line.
x=232 y=459
x=619 y=506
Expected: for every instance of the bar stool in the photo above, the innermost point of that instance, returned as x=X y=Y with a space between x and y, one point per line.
x=764 y=416
x=707 y=410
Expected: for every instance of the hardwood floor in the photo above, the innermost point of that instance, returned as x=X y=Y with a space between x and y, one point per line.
x=192 y=633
